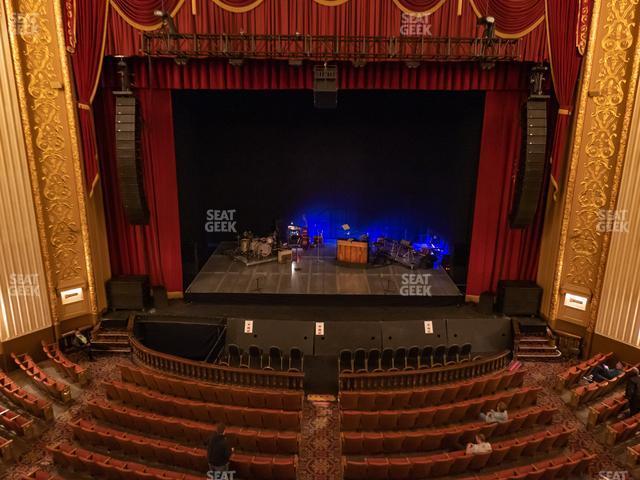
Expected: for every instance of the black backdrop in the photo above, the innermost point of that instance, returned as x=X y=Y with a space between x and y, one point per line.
x=392 y=163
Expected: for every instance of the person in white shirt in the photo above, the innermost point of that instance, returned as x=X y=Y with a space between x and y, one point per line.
x=481 y=446
x=498 y=415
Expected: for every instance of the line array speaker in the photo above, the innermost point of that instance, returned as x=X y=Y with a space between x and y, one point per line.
x=325 y=86
x=128 y=160
x=532 y=162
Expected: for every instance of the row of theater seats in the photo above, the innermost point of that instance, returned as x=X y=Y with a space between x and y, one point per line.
x=425 y=440
x=457 y=462
x=255 y=357
x=65 y=366
x=427 y=396
x=587 y=393
x=402 y=358
x=60 y=391
x=202 y=411
x=181 y=421
x=177 y=455
x=574 y=373
x=622 y=430
x=146 y=448
x=609 y=408
x=290 y=400
x=32 y=404
x=438 y=415
x=96 y=464
x=194 y=433
x=574 y=465
x=16 y=422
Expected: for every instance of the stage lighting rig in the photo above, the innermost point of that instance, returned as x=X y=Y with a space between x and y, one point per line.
x=489 y=24
x=168 y=24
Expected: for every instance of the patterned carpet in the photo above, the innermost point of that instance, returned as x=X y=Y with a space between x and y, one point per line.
x=320 y=444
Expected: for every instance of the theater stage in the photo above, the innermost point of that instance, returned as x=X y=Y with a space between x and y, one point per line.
x=315 y=275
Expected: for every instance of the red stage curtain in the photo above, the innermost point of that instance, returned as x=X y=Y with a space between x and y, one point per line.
x=562 y=20
x=421 y=6
x=153 y=249
x=261 y=75
x=87 y=52
x=497 y=251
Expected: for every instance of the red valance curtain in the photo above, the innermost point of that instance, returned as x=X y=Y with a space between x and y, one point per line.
x=384 y=18
x=140 y=13
x=497 y=251
x=86 y=22
x=153 y=249
x=564 y=38
x=514 y=18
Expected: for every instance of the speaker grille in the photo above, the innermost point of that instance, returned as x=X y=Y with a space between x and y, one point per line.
x=128 y=161
x=530 y=175
x=325 y=86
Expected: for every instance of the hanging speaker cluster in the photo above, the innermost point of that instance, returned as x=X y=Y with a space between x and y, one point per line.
x=128 y=155
x=325 y=86
x=530 y=176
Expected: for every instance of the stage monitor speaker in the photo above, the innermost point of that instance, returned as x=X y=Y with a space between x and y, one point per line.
x=532 y=164
x=265 y=334
x=129 y=292
x=518 y=297
x=128 y=160
x=325 y=86
x=407 y=333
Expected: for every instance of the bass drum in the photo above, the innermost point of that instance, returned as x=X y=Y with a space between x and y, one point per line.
x=245 y=245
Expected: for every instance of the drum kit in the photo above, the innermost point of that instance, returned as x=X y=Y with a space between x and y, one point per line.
x=261 y=247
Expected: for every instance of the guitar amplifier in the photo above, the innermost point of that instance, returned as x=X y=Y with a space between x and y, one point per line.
x=519 y=297
x=129 y=292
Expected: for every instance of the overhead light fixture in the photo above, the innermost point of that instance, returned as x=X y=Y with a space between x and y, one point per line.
x=181 y=60
x=489 y=24
x=412 y=63
x=167 y=21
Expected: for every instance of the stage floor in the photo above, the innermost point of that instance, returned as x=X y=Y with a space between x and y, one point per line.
x=317 y=273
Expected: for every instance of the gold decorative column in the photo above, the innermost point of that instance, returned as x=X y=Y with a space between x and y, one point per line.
x=48 y=119
x=590 y=187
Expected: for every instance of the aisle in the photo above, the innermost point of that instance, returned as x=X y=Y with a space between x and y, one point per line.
x=320 y=442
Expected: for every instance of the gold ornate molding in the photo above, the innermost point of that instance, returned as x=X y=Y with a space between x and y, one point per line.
x=604 y=110
x=48 y=118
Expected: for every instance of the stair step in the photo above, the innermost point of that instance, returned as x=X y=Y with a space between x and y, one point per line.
x=525 y=355
x=107 y=343
x=112 y=350
x=537 y=347
x=534 y=339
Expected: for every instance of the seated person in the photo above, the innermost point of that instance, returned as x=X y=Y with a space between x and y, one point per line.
x=632 y=391
x=82 y=343
x=481 y=446
x=498 y=415
x=603 y=372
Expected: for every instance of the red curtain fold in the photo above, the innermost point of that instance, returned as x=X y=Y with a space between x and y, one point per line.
x=563 y=20
x=152 y=249
x=514 y=16
x=141 y=11
x=86 y=61
x=421 y=5
x=497 y=251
